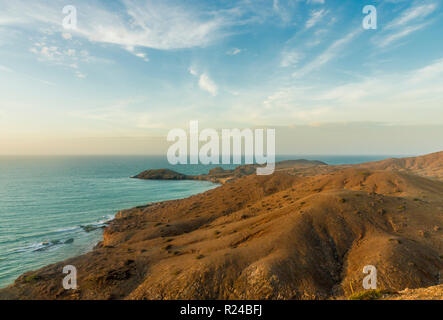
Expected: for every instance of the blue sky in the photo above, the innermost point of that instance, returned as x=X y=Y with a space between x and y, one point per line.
x=136 y=69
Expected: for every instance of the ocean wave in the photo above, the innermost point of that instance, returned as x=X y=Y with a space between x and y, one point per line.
x=44 y=245
x=68 y=229
x=99 y=224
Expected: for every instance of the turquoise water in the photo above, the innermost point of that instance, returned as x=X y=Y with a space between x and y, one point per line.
x=44 y=201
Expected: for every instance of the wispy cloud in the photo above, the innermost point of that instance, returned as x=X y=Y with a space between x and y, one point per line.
x=152 y=24
x=6 y=69
x=393 y=90
x=55 y=55
x=414 y=13
x=138 y=54
x=233 y=51
x=67 y=36
x=80 y=75
x=388 y=97
x=413 y=19
x=142 y=56
x=290 y=58
x=159 y=25
x=205 y=82
x=315 y=17
x=283 y=9
x=193 y=71
x=250 y=73
x=431 y=72
x=334 y=50
x=389 y=39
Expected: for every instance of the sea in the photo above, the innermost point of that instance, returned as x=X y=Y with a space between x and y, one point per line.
x=55 y=207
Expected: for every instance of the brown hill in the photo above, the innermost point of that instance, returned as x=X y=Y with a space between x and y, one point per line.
x=430 y=165
x=295 y=234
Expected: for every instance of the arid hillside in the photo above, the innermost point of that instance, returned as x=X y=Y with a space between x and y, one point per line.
x=305 y=232
x=430 y=165
x=430 y=293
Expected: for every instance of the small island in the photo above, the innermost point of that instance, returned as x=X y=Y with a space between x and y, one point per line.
x=220 y=175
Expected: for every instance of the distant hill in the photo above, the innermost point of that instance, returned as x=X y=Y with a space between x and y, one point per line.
x=220 y=175
x=430 y=165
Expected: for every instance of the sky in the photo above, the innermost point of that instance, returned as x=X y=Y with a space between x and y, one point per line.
x=132 y=70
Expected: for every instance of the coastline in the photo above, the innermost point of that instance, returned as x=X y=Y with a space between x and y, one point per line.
x=78 y=234
x=216 y=176
x=244 y=230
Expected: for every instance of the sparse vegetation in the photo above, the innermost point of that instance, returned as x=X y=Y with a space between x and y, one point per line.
x=365 y=173
x=31 y=278
x=369 y=294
